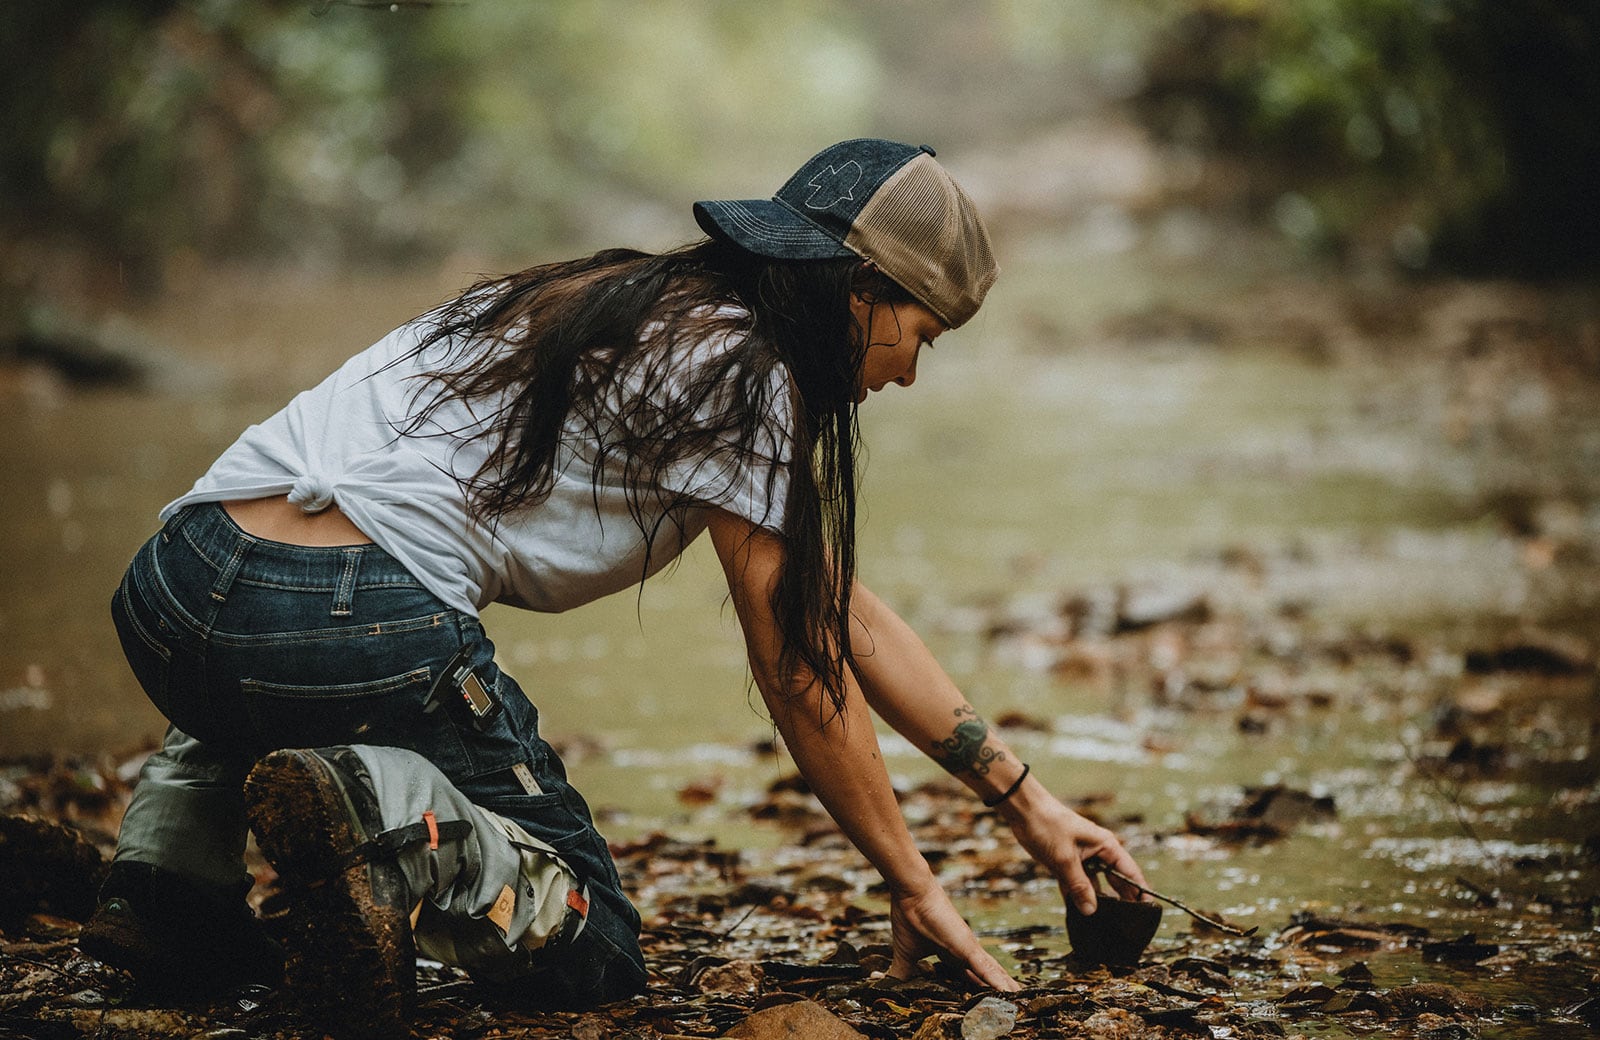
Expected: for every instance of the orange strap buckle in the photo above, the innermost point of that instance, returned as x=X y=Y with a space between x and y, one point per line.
x=433 y=828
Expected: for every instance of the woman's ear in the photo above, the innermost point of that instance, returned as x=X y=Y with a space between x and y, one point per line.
x=866 y=284
x=861 y=303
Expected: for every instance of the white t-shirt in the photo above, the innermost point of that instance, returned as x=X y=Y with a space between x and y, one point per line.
x=343 y=441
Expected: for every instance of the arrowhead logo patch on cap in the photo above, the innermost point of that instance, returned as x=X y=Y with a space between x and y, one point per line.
x=834 y=185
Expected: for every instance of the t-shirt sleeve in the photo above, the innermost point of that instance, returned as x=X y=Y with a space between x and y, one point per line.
x=752 y=482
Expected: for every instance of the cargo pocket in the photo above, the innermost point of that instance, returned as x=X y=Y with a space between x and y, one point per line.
x=546 y=817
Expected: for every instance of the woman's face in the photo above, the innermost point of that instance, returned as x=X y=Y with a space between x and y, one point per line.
x=895 y=334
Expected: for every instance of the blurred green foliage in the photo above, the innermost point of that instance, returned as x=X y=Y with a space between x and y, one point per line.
x=344 y=130
x=1467 y=130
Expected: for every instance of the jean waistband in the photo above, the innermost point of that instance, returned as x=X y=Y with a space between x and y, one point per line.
x=228 y=548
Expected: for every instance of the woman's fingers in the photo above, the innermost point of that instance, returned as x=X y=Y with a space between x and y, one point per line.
x=980 y=968
x=1077 y=887
x=1063 y=841
x=984 y=969
x=921 y=930
x=1113 y=855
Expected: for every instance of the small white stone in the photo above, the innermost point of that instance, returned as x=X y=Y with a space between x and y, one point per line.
x=991 y=1018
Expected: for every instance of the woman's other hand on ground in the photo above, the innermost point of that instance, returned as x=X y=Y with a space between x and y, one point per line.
x=925 y=923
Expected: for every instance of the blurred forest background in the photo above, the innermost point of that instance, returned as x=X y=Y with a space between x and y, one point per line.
x=154 y=134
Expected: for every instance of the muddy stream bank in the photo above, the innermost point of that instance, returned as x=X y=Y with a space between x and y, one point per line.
x=1292 y=580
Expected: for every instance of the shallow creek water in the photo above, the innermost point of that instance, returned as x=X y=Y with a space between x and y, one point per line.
x=1006 y=480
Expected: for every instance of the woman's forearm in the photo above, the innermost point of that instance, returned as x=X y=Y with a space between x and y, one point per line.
x=904 y=684
x=838 y=754
x=836 y=749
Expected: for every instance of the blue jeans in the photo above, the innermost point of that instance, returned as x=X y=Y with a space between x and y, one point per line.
x=248 y=645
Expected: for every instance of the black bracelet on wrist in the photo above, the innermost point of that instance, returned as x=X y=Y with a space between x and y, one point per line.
x=990 y=803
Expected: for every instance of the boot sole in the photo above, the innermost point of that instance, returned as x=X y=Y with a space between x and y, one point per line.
x=350 y=956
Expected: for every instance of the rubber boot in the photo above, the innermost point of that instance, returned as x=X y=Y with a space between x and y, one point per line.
x=179 y=937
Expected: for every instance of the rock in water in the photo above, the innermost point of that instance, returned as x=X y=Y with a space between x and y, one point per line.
x=991 y=1018
x=1116 y=933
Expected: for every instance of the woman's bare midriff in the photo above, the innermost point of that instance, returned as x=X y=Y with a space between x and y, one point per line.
x=276 y=520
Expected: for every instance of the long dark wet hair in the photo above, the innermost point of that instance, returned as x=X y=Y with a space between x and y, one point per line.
x=557 y=343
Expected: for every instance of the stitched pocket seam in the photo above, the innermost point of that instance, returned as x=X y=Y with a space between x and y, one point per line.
x=346 y=691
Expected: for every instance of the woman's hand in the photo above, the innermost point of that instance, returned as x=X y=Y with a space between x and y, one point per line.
x=925 y=923
x=1061 y=841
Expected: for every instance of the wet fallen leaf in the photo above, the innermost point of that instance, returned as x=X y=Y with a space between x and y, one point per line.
x=938 y=1027
x=1315 y=993
x=1264 y=813
x=1544 y=654
x=45 y=865
x=701 y=792
x=1464 y=948
x=735 y=977
x=1346 y=935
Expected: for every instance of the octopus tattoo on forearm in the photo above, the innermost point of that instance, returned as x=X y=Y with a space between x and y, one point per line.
x=967 y=748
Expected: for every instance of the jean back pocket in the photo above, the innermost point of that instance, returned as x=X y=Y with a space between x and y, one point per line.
x=386 y=711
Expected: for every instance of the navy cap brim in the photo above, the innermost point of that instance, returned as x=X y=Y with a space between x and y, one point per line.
x=767 y=227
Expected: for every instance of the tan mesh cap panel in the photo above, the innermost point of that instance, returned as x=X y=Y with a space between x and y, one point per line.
x=923 y=231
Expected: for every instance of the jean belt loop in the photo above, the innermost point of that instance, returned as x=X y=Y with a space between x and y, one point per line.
x=175 y=523
x=344 y=596
x=230 y=569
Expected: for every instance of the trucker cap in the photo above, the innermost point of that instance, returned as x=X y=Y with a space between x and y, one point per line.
x=890 y=204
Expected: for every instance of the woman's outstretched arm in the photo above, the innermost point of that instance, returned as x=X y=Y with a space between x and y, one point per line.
x=837 y=753
x=903 y=682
